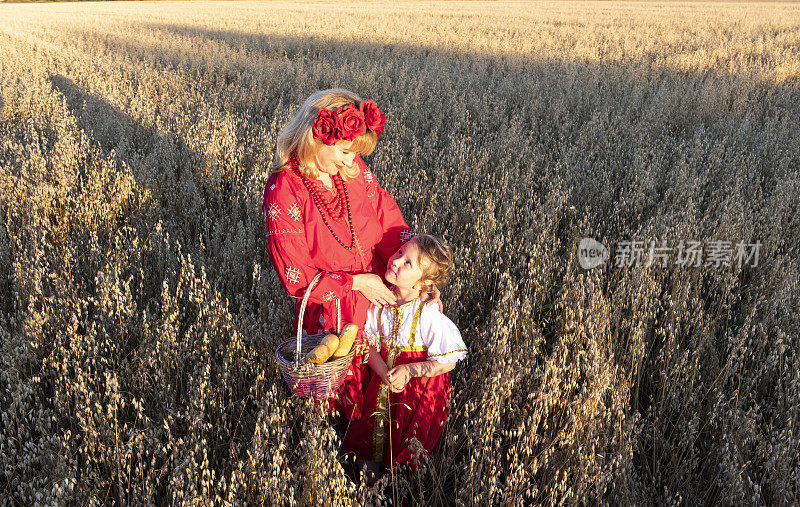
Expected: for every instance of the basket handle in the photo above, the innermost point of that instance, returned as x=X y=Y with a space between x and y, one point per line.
x=303 y=305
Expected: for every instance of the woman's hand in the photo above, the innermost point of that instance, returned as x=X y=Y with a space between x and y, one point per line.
x=372 y=287
x=398 y=377
x=434 y=300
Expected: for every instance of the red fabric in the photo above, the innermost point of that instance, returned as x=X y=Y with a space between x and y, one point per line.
x=300 y=246
x=420 y=411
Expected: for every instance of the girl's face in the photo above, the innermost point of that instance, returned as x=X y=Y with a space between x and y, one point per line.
x=331 y=158
x=404 y=269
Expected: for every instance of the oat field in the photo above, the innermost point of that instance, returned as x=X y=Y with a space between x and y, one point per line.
x=139 y=312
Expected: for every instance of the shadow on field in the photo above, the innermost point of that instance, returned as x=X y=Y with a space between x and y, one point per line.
x=157 y=160
x=103 y=122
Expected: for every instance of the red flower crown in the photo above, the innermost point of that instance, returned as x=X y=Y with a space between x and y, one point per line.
x=347 y=122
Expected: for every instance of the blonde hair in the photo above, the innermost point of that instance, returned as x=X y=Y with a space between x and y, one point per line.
x=438 y=259
x=298 y=138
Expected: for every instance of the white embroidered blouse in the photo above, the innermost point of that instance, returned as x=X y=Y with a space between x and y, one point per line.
x=435 y=334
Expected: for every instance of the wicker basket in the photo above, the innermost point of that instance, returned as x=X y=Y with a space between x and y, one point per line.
x=306 y=380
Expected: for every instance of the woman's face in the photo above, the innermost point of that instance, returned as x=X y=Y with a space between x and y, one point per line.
x=331 y=158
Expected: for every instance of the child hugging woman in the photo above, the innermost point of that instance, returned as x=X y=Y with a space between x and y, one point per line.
x=413 y=347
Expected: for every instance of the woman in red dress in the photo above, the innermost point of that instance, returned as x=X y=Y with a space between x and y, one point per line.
x=326 y=213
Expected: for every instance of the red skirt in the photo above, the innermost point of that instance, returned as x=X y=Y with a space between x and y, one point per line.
x=390 y=420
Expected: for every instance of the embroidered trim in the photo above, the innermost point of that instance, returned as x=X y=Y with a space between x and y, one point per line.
x=293 y=274
x=404 y=304
x=406 y=348
x=278 y=232
x=273 y=212
x=294 y=212
x=414 y=324
x=445 y=353
x=383 y=408
x=418 y=348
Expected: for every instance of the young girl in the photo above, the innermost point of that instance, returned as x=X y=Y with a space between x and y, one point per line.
x=414 y=346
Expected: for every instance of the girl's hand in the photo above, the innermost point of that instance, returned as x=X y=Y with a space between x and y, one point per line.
x=372 y=287
x=398 y=377
x=434 y=300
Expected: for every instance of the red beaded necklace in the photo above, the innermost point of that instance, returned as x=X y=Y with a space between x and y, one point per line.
x=341 y=203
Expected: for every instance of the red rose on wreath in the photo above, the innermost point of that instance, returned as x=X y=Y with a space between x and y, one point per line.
x=324 y=127
x=372 y=116
x=349 y=122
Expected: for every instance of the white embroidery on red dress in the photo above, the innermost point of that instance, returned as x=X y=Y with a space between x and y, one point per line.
x=272 y=187
x=294 y=211
x=273 y=211
x=293 y=275
x=281 y=232
x=405 y=235
x=368 y=177
x=329 y=296
x=335 y=276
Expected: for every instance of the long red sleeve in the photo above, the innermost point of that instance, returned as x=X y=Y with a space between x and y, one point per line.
x=289 y=250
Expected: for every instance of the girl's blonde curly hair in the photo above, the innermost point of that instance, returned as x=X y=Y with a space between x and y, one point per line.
x=436 y=259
